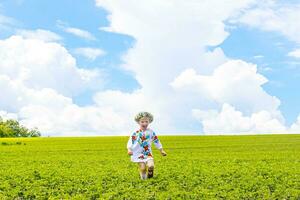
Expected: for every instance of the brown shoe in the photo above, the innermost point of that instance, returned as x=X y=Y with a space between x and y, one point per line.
x=150 y=173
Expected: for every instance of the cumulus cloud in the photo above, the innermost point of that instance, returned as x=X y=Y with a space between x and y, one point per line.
x=231 y=121
x=228 y=120
x=5 y=115
x=89 y=53
x=182 y=83
x=273 y=16
x=295 y=127
x=38 y=81
x=235 y=82
x=73 y=120
x=167 y=44
x=57 y=115
x=170 y=53
x=39 y=64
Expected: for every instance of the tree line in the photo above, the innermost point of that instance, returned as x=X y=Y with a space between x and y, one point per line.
x=12 y=128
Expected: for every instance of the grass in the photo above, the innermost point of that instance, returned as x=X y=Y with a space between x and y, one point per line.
x=196 y=167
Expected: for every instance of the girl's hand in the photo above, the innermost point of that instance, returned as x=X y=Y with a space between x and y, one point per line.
x=129 y=152
x=163 y=153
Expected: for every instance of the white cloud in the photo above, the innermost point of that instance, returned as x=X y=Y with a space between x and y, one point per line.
x=76 y=31
x=38 y=64
x=171 y=62
x=17 y=96
x=73 y=120
x=127 y=105
x=5 y=20
x=295 y=53
x=231 y=121
x=162 y=37
x=39 y=34
x=38 y=80
x=181 y=82
x=7 y=24
x=258 y=56
x=29 y=69
x=57 y=115
x=5 y=115
x=90 y=53
x=295 y=128
x=167 y=46
x=111 y=113
x=80 y=33
x=235 y=82
x=274 y=16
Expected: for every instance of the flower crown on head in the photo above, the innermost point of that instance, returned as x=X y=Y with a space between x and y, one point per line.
x=141 y=115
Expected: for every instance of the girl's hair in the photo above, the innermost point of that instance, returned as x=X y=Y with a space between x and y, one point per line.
x=140 y=115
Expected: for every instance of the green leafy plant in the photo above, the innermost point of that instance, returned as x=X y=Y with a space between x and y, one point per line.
x=12 y=128
x=197 y=167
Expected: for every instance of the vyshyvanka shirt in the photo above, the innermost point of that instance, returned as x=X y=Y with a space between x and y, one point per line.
x=140 y=143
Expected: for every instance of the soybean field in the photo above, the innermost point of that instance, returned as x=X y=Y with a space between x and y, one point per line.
x=196 y=167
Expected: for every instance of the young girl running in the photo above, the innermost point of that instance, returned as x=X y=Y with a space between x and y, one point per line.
x=139 y=145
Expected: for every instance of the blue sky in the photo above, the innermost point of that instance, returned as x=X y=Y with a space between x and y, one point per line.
x=250 y=44
x=33 y=14
x=268 y=49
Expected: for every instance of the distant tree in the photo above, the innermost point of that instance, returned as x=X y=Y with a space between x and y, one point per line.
x=12 y=128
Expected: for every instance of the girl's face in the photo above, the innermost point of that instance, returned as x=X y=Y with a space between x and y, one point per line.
x=144 y=122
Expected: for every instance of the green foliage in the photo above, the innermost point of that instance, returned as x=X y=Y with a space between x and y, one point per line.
x=12 y=128
x=196 y=167
x=12 y=143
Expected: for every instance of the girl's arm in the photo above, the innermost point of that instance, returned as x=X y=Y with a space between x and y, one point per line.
x=156 y=141
x=158 y=144
x=130 y=143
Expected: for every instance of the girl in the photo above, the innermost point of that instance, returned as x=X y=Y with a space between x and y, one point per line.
x=139 y=145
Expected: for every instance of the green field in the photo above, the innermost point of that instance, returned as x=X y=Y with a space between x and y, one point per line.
x=196 y=167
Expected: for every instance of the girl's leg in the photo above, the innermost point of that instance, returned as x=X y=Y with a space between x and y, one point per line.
x=142 y=169
x=150 y=165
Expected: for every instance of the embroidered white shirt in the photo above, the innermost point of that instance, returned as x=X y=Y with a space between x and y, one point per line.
x=140 y=143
